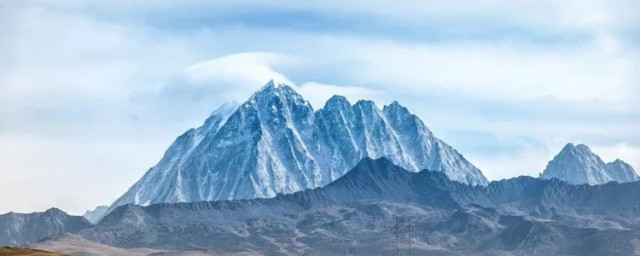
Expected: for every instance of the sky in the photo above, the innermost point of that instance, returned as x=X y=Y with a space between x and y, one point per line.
x=92 y=93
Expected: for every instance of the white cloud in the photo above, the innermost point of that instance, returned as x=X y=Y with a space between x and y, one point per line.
x=500 y=72
x=53 y=52
x=243 y=69
x=545 y=14
x=239 y=75
x=67 y=132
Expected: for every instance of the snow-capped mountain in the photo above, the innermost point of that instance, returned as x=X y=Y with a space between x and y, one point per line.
x=276 y=143
x=576 y=164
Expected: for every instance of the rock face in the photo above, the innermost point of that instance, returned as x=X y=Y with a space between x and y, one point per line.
x=578 y=165
x=24 y=228
x=356 y=215
x=276 y=143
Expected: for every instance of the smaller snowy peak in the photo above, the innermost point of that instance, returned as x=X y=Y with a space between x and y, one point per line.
x=401 y=117
x=96 y=214
x=622 y=172
x=397 y=111
x=577 y=164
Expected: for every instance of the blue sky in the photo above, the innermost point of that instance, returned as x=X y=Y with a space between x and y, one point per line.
x=92 y=93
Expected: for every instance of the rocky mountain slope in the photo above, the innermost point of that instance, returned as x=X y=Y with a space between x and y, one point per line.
x=356 y=215
x=276 y=143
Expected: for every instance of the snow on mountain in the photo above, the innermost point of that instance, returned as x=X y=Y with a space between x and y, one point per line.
x=578 y=165
x=94 y=215
x=622 y=172
x=164 y=181
x=276 y=143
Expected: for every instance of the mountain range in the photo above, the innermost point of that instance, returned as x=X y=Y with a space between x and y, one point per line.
x=26 y=228
x=273 y=176
x=368 y=211
x=275 y=142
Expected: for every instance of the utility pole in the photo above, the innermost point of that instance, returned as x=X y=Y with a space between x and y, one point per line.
x=410 y=248
x=397 y=236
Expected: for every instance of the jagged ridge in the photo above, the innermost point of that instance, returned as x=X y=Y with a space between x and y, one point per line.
x=521 y=216
x=276 y=143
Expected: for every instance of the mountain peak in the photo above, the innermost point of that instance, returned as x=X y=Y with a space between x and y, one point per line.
x=272 y=86
x=622 y=171
x=568 y=146
x=582 y=148
x=276 y=89
x=276 y=143
x=619 y=162
x=394 y=104
x=273 y=83
x=54 y=210
x=365 y=103
x=576 y=148
x=337 y=100
x=396 y=109
x=577 y=164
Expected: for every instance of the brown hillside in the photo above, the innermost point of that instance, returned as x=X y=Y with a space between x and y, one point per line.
x=11 y=251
